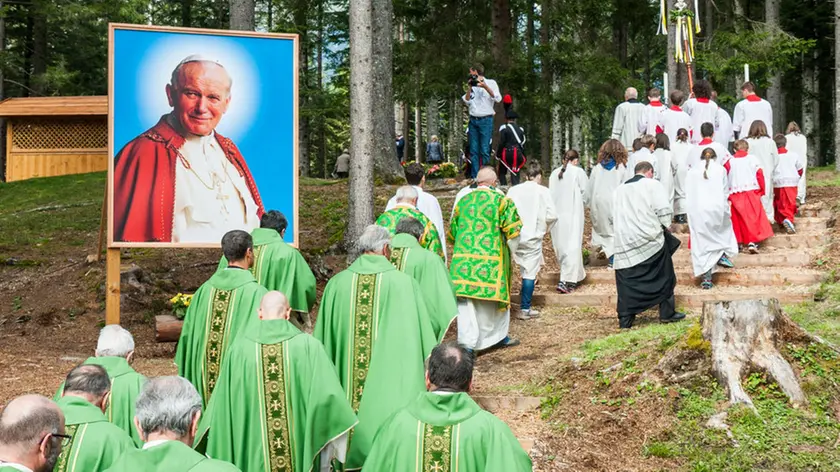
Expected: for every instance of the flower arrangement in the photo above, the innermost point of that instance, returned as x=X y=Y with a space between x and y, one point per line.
x=180 y=303
x=446 y=170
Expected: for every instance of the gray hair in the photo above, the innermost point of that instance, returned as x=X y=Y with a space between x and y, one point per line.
x=631 y=92
x=114 y=340
x=373 y=239
x=26 y=419
x=88 y=378
x=406 y=193
x=167 y=404
x=412 y=226
x=173 y=80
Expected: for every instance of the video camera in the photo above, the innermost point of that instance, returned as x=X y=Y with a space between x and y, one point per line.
x=473 y=80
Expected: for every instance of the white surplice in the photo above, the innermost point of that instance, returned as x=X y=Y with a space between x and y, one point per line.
x=536 y=210
x=650 y=118
x=747 y=111
x=428 y=205
x=673 y=119
x=765 y=150
x=709 y=218
x=626 y=122
x=599 y=194
x=569 y=195
x=701 y=112
x=667 y=171
x=640 y=210
x=798 y=143
x=679 y=156
x=643 y=154
x=723 y=130
x=695 y=156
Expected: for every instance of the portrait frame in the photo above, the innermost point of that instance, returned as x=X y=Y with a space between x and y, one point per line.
x=293 y=237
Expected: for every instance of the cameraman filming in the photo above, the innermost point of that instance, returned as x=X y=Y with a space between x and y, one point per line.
x=481 y=95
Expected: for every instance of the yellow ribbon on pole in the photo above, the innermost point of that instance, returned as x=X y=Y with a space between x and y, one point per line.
x=663 y=18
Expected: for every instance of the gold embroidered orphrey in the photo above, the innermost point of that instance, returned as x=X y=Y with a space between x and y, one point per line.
x=363 y=336
x=276 y=417
x=397 y=256
x=64 y=457
x=216 y=338
x=255 y=267
x=437 y=444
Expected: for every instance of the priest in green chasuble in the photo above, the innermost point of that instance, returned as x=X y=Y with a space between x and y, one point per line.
x=444 y=430
x=376 y=330
x=114 y=352
x=219 y=310
x=428 y=270
x=278 y=404
x=484 y=229
x=279 y=266
x=168 y=412
x=407 y=207
x=31 y=434
x=95 y=443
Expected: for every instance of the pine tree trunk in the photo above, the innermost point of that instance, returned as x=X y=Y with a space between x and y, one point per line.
x=385 y=161
x=39 y=50
x=242 y=15
x=556 y=128
x=577 y=134
x=545 y=36
x=774 y=90
x=673 y=72
x=501 y=20
x=811 y=109
x=456 y=133
x=836 y=83
x=432 y=128
x=418 y=134
x=360 y=206
x=322 y=131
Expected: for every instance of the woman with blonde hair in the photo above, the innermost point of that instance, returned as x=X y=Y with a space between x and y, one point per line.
x=567 y=186
x=434 y=151
x=709 y=220
x=610 y=172
x=762 y=146
x=797 y=143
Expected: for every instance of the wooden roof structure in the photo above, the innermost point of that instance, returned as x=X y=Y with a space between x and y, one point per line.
x=55 y=106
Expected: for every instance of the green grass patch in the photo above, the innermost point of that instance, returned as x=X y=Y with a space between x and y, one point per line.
x=825 y=176
x=662 y=336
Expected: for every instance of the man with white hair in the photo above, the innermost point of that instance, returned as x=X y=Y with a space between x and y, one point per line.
x=31 y=435
x=115 y=352
x=181 y=181
x=375 y=327
x=407 y=208
x=627 y=118
x=484 y=229
x=415 y=175
x=239 y=423
x=168 y=411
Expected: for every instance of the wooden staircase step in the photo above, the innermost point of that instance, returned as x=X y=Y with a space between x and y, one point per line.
x=782 y=241
x=682 y=258
x=787 y=276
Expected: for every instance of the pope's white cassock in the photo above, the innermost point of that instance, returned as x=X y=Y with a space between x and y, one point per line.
x=569 y=197
x=211 y=197
x=696 y=153
x=709 y=218
x=679 y=157
x=701 y=111
x=672 y=120
x=749 y=110
x=667 y=171
x=723 y=129
x=599 y=194
x=429 y=206
x=538 y=215
x=765 y=150
x=626 y=122
x=798 y=143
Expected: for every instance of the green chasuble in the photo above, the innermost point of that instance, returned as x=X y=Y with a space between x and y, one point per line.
x=277 y=403
x=278 y=266
x=430 y=239
x=375 y=328
x=430 y=272
x=126 y=384
x=96 y=442
x=219 y=310
x=171 y=456
x=482 y=223
x=446 y=433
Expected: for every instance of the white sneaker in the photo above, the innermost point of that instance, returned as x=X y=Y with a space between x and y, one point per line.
x=526 y=315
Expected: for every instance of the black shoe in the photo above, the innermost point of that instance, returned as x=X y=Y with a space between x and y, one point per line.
x=673 y=319
x=626 y=322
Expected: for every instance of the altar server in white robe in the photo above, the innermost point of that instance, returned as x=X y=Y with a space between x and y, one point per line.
x=707 y=133
x=538 y=215
x=713 y=241
x=723 y=128
x=674 y=118
x=701 y=108
x=679 y=154
x=666 y=165
x=798 y=143
x=764 y=148
x=567 y=186
x=643 y=152
x=649 y=122
x=750 y=109
x=610 y=172
x=626 y=119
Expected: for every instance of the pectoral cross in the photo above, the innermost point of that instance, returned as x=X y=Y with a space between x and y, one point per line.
x=220 y=195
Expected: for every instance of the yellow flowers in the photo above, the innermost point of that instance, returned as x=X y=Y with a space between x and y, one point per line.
x=179 y=303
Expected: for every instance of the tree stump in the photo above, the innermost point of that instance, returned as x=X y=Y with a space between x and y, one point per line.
x=744 y=334
x=167 y=328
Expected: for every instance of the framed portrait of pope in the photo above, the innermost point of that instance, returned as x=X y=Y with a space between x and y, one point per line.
x=202 y=133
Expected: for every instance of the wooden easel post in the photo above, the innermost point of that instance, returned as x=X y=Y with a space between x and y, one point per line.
x=112 y=286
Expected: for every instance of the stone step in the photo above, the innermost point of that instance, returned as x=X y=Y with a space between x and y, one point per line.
x=766 y=277
x=803 y=225
x=688 y=297
x=782 y=241
x=815 y=212
x=682 y=258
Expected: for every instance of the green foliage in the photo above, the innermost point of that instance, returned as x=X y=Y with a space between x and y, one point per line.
x=655 y=335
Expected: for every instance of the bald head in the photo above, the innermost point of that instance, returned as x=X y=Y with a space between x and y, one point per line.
x=274 y=306
x=631 y=93
x=25 y=421
x=486 y=176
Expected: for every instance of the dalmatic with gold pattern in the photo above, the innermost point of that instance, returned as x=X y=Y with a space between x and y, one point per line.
x=375 y=328
x=220 y=309
x=95 y=443
x=446 y=432
x=430 y=239
x=278 y=405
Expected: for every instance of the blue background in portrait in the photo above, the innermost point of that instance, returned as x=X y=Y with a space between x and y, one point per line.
x=263 y=131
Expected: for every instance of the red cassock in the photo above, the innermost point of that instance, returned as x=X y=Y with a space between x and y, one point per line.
x=144 y=183
x=749 y=221
x=784 y=203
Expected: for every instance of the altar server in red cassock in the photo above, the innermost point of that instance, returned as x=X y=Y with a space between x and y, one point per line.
x=746 y=186
x=786 y=184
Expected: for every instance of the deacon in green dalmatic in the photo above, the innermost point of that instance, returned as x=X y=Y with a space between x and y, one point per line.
x=168 y=411
x=95 y=443
x=220 y=309
x=374 y=326
x=279 y=266
x=444 y=430
x=428 y=270
x=278 y=404
x=114 y=352
x=407 y=208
